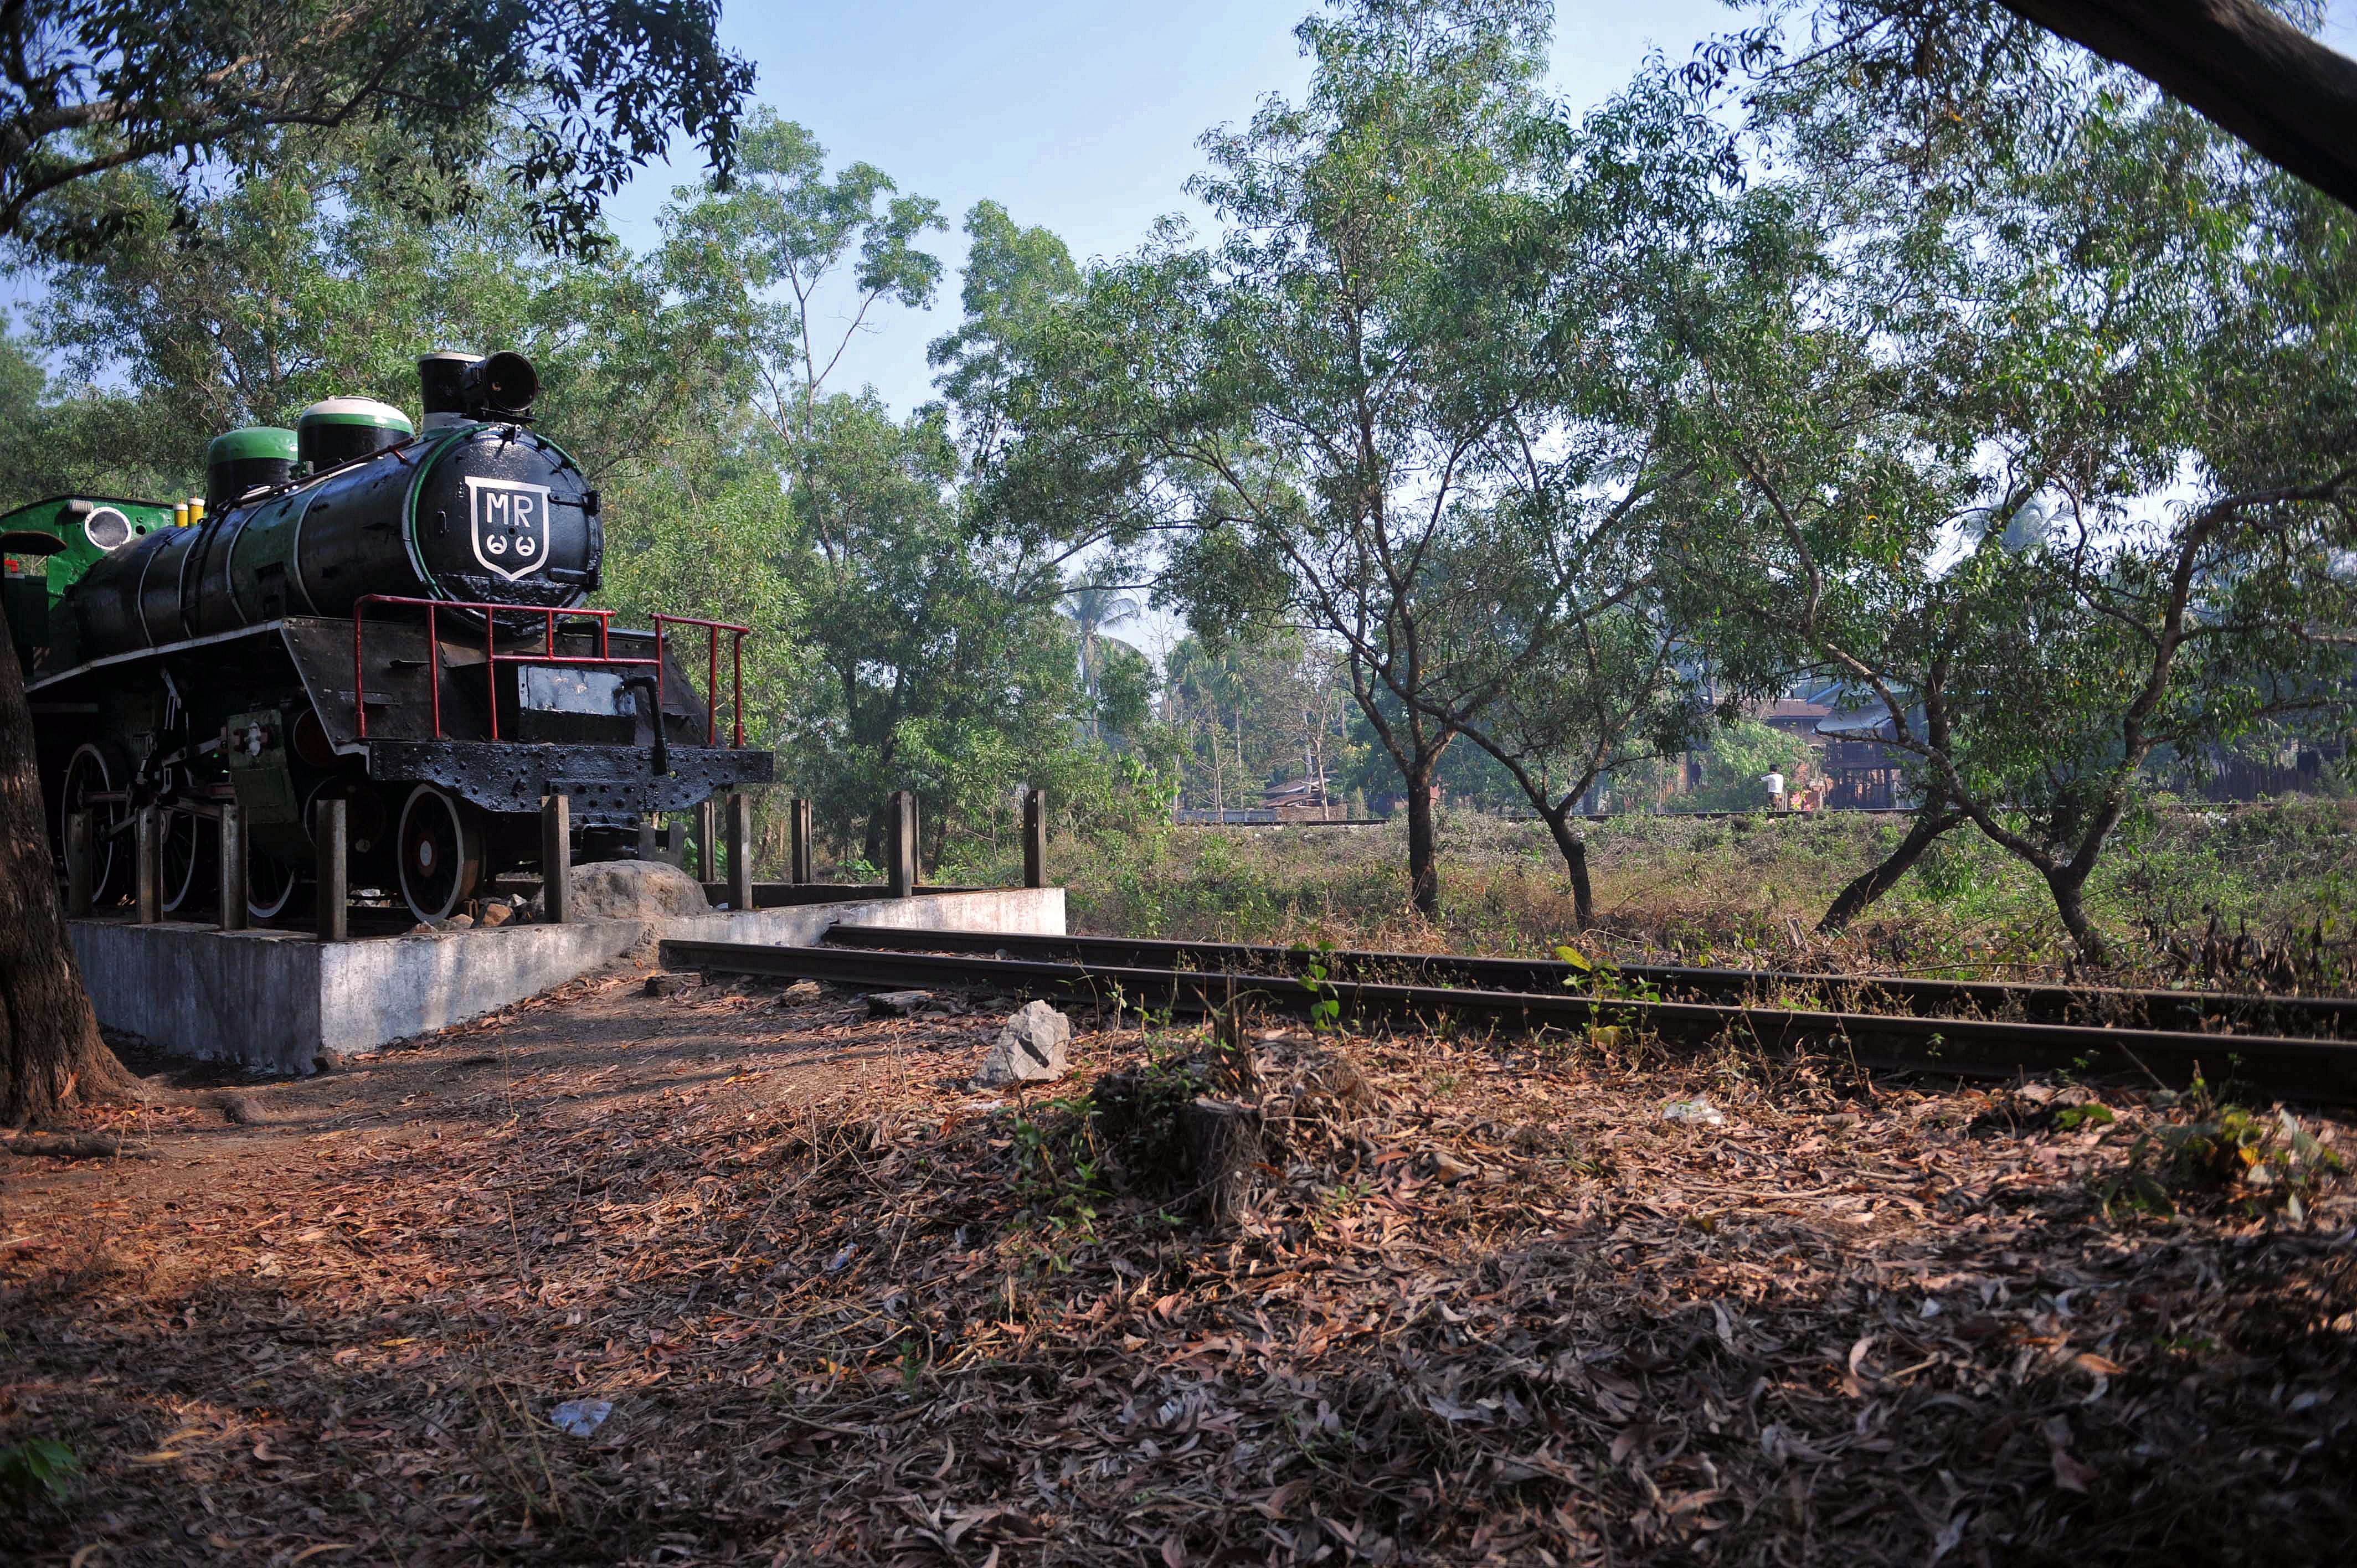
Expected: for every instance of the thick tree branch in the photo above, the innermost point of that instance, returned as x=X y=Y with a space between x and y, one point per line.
x=2239 y=64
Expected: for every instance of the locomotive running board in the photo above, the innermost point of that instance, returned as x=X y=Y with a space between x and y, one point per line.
x=160 y=651
x=610 y=786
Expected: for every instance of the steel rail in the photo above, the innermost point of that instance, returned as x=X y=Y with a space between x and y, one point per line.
x=2331 y=1016
x=2305 y=1069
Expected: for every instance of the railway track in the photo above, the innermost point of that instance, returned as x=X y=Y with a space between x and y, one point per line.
x=2332 y=1017
x=2308 y=1069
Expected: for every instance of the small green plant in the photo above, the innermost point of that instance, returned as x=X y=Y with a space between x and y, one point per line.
x=1326 y=1004
x=2071 y=1118
x=42 y=1466
x=2258 y=1159
x=1058 y=1165
x=1603 y=979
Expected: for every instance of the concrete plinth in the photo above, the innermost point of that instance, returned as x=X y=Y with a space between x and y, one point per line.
x=1023 y=911
x=274 y=1000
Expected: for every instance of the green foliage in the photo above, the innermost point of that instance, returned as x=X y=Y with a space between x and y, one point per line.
x=1995 y=347
x=42 y=1467
x=1058 y=1164
x=1316 y=407
x=1260 y=705
x=1492 y=447
x=303 y=284
x=550 y=106
x=1325 y=1004
x=2211 y=1148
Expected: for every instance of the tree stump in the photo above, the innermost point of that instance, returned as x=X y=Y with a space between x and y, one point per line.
x=1222 y=1142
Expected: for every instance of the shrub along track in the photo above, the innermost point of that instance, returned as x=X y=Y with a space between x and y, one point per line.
x=1502 y=1311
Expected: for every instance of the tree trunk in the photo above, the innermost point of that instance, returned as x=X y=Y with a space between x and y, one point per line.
x=1877 y=880
x=1423 y=872
x=2067 y=889
x=1573 y=843
x=932 y=834
x=50 y=1048
x=871 y=847
x=2293 y=99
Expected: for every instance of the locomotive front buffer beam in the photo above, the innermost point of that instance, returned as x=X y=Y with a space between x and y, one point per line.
x=608 y=786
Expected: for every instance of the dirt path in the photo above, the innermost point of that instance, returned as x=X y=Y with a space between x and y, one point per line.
x=1492 y=1303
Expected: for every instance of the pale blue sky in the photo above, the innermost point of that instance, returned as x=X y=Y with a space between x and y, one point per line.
x=1082 y=117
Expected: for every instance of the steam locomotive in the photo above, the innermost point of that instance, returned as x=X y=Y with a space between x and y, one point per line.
x=362 y=609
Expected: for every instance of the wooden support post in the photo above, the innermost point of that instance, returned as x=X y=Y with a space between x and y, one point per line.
x=707 y=842
x=555 y=858
x=801 y=870
x=79 y=869
x=149 y=833
x=647 y=821
x=236 y=914
x=900 y=845
x=329 y=830
x=740 y=851
x=1035 y=837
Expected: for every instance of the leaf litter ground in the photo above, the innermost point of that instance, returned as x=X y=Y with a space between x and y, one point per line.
x=845 y=1308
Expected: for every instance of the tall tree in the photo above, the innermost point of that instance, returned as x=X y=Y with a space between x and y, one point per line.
x=2113 y=316
x=1313 y=408
x=307 y=282
x=1097 y=601
x=942 y=664
x=561 y=100
x=1564 y=645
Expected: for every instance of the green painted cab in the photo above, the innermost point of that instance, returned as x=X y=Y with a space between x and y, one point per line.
x=50 y=543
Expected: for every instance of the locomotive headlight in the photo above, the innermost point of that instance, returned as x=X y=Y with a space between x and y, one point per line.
x=502 y=384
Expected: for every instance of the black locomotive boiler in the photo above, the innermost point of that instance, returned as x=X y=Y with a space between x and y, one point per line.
x=362 y=609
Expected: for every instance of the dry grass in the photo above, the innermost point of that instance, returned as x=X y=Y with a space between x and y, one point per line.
x=1501 y=1310
x=1748 y=891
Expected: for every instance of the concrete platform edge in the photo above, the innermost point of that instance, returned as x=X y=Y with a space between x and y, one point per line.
x=274 y=1000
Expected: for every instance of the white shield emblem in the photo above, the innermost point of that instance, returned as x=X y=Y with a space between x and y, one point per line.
x=510 y=521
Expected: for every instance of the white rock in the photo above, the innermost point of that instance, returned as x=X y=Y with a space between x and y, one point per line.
x=1030 y=1047
x=1695 y=1109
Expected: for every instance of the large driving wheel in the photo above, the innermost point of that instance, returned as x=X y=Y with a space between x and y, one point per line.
x=440 y=846
x=271 y=887
x=189 y=842
x=99 y=768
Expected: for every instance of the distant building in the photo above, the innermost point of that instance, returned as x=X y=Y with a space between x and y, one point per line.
x=1293 y=801
x=1797 y=716
x=1301 y=799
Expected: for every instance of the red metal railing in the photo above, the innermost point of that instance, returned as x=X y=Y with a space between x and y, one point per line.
x=602 y=658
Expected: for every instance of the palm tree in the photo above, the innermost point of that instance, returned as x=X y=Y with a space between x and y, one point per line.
x=1097 y=603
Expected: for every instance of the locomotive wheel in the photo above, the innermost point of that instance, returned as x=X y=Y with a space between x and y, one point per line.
x=189 y=846
x=100 y=767
x=271 y=887
x=440 y=846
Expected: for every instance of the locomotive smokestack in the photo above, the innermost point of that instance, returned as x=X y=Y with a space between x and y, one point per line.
x=442 y=384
